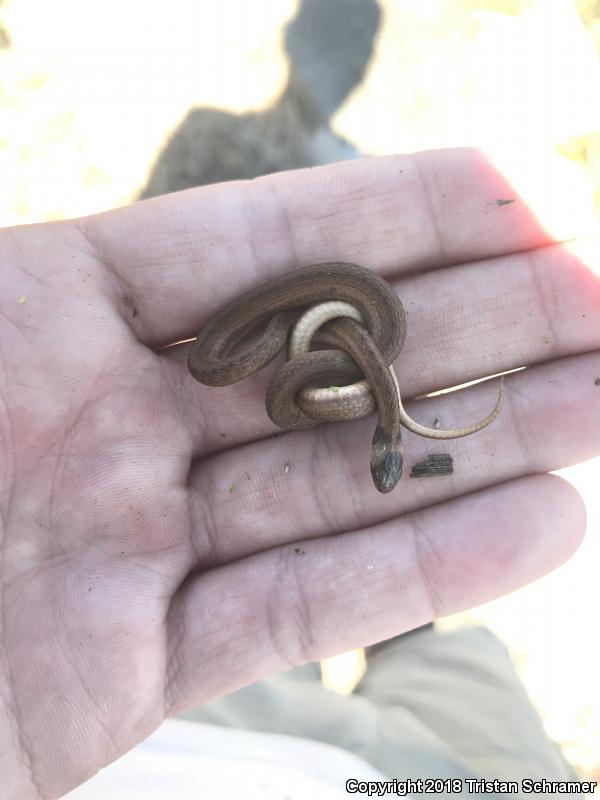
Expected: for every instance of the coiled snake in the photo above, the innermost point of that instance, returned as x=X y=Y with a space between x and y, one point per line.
x=367 y=340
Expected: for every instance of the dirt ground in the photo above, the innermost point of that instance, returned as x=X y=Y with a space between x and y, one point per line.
x=102 y=102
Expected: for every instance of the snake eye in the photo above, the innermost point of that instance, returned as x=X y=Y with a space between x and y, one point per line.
x=386 y=461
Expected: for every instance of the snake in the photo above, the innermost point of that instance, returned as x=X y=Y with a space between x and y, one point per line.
x=358 y=323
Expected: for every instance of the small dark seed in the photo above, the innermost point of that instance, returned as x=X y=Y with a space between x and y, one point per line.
x=435 y=464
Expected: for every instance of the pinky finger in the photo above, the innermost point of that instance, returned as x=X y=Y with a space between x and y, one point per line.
x=304 y=601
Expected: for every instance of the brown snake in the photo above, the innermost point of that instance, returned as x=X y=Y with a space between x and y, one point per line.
x=214 y=358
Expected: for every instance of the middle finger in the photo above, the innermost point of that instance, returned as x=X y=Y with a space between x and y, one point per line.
x=463 y=323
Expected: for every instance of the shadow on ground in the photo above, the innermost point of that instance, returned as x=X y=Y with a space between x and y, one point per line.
x=329 y=46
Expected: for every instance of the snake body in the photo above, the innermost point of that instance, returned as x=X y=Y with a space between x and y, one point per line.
x=364 y=349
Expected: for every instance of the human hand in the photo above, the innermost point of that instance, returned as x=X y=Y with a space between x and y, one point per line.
x=161 y=546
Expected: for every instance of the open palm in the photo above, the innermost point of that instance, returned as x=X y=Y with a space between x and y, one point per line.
x=163 y=544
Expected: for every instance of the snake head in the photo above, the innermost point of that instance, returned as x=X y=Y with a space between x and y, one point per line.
x=386 y=460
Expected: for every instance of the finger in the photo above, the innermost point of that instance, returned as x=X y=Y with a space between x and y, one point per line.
x=464 y=323
x=301 y=603
x=316 y=483
x=180 y=257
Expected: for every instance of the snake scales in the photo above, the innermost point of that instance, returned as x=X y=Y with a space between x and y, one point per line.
x=354 y=350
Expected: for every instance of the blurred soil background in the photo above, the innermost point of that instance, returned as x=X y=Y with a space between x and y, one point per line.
x=105 y=102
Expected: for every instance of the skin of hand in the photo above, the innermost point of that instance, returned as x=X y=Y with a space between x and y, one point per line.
x=163 y=544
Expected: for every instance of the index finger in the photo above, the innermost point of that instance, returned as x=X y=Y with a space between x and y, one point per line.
x=181 y=256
